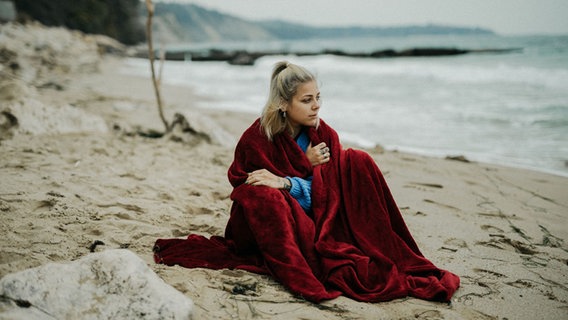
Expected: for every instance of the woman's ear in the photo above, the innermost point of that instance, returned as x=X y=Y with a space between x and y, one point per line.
x=283 y=106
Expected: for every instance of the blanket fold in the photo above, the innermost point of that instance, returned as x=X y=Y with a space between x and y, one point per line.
x=354 y=242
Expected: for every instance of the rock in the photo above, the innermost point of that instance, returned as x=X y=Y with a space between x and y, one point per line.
x=192 y=127
x=14 y=89
x=460 y=158
x=109 y=45
x=431 y=52
x=34 y=117
x=112 y=284
x=8 y=124
x=34 y=53
x=34 y=57
x=248 y=58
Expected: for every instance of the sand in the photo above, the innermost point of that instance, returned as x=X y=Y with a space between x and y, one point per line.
x=64 y=193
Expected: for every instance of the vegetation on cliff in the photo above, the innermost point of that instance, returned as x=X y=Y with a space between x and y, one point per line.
x=119 y=19
x=176 y=23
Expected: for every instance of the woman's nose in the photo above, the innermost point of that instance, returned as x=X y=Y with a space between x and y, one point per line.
x=316 y=105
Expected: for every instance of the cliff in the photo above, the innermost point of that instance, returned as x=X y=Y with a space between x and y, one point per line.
x=186 y=23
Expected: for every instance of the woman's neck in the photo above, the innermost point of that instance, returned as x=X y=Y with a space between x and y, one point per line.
x=296 y=131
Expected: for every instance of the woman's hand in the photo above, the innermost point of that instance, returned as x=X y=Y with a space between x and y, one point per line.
x=318 y=154
x=264 y=177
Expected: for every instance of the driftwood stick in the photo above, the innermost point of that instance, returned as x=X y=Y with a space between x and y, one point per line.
x=161 y=68
x=150 y=8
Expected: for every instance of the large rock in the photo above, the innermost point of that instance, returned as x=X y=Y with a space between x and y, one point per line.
x=37 y=54
x=34 y=117
x=113 y=284
x=35 y=57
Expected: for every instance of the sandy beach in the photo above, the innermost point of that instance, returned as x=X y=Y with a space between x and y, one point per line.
x=77 y=186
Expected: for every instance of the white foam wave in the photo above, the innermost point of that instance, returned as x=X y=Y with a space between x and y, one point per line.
x=443 y=70
x=483 y=109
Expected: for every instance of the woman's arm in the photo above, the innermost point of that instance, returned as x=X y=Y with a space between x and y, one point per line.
x=264 y=177
x=300 y=189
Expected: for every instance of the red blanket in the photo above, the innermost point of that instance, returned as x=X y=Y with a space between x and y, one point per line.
x=354 y=242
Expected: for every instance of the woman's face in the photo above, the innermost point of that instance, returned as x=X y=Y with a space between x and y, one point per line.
x=304 y=107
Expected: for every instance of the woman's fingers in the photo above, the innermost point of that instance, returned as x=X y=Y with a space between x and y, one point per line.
x=318 y=154
x=324 y=154
x=263 y=177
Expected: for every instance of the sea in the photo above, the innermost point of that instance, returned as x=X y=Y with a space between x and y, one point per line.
x=508 y=108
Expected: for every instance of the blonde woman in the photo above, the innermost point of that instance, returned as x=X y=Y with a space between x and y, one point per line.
x=318 y=218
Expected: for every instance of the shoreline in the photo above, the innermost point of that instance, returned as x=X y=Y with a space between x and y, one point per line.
x=501 y=229
x=496 y=163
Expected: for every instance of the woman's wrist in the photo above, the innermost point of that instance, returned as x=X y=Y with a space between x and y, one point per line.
x=286 y=184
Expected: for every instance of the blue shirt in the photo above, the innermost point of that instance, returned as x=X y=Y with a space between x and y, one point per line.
x=301 y=189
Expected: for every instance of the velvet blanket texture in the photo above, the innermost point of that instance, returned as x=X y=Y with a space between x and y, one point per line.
x=353 y=243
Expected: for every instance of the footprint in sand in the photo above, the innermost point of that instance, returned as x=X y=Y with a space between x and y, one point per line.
x=220 y=195
x=491 y=229
x=423 y=186
x=179 y=232
x=489 y=274
x=213 y=230
x=441 y=204
x=521 y=283
x=454 y=244
x=550 y=240
x=534 y=285
x=499 y=215
x=428 y=314
x=504 y=243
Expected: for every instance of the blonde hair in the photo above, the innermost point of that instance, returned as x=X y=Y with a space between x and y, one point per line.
x=284 y=82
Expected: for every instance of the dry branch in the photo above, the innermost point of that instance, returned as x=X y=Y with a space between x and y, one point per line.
x=150 y=8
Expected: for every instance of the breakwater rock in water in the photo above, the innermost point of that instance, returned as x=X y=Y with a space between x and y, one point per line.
x=244 y=57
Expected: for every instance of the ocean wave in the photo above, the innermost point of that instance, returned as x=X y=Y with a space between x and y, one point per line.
x=482 y=107
x=446 y=70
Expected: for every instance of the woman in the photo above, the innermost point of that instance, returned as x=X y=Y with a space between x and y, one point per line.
x=318 y=218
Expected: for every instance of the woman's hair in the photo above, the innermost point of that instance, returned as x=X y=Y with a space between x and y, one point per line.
x=284 y=82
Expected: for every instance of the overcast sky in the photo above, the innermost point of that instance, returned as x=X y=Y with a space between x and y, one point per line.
x=502 y=16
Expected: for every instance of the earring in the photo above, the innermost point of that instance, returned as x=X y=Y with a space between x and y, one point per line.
x=284 y=114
